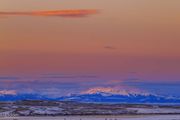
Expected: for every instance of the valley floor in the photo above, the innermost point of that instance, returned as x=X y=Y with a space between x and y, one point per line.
x=123 y=117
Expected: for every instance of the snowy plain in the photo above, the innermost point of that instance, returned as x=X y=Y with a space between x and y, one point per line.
x=123 y=117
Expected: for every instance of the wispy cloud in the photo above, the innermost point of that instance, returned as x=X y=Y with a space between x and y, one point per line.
x=69 y=76
x=8 y=78
x=7 y=92
x=110 y=47
x=61 y=13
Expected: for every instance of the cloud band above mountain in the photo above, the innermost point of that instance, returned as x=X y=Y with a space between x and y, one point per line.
x=7 y=92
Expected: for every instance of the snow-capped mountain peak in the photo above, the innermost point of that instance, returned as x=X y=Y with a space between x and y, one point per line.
x=112 y=91
x=95 y=95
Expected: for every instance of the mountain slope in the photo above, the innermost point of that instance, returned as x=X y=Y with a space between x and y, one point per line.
x=99 y=97
x=16 y=97
x=118 y=98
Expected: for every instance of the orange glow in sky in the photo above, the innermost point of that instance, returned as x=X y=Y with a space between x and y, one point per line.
x=126 y=37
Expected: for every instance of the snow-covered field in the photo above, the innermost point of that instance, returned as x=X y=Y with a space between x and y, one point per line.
x=138 y=117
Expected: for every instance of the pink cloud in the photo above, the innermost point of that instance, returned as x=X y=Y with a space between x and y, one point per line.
x=62 y=13
x=8 y=92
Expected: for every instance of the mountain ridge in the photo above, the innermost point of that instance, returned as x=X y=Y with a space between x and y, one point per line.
x=99 y=97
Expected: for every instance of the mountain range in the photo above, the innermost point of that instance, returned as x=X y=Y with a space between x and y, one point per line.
x=99 y=97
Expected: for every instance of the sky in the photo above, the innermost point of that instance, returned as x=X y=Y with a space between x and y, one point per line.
x=63 y=47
